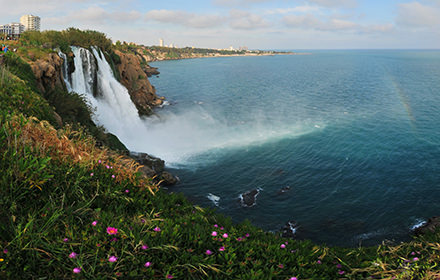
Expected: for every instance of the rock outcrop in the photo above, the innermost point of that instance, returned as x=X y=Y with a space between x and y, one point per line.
x=430 y=226
x=154 y=167
x=135 y=79
x=249 y=198
x=48 y=73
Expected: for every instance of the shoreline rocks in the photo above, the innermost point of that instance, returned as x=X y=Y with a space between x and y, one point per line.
x=289 y=230
x=430 y=226
x=155 y=168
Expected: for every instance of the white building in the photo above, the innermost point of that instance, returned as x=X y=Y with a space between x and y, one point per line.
x=30 y=22
x=160 y=42
x=12 y=29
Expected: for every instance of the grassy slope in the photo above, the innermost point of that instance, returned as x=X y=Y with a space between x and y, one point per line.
x=54 y=184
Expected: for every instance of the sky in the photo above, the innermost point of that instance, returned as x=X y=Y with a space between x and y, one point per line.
x=256 y=24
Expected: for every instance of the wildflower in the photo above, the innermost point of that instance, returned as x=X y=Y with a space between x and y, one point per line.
x=341 y=272
x=413 y=253
x=2 y=260
x=66 y=239
x=415 y=259
x=112 y=259
x=157 y=229
x=338 y=265
x=208 y=252
x=127 y=191
x=77 y=270
x=283 y=246
x=319 y=262
x=108 y=167
x=114 y=239
x=293 y=278
x=113 y=176
x=99 y=161
x=169 y=276
x=225 y=235
x=221 y=249
x=73 y=255
x=5 y=251
x=91 y=174
x=239 y=239
x=112 y=230
x=215 y=225
x=222 y=228
x=214 y=233
x=94 y=223
x=247 y=235
x=147 y=264
x=98 y=245
x=281 y=265
x=144 y=247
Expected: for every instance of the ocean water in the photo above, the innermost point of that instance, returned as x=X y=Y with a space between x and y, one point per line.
x=354 y=134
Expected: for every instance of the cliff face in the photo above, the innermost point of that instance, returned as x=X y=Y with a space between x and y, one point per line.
x=48 y=72
x=134 y=78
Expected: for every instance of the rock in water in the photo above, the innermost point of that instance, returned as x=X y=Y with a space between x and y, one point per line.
x=168 y=178
x=289 y=230
x=430 y=226
x=249 y=198
x=284 y=190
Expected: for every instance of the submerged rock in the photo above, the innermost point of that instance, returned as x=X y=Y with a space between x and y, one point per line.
x=430 y=226
x=169 y=179
x=289 y=230
x=249 y=198
x=284 y=190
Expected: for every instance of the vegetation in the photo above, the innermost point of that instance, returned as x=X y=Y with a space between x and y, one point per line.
x=72 y=209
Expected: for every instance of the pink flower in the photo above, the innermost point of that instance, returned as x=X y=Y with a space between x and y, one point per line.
x=169 y=276
x=338 y=266
x=99 y=161
x=341 y=272
x=112 y=230
x=66 y=239
x=293 y=278
x=221 y=249
x=108 y=167
x=144 y=247
x=319 y=262
x=91 y=174
x=114 y=239
x=147 y=264
x=208 y=252
x=225 y=235
x=94 y=223
x=413 y=253
x=283 y=246
x=239 y=239
x=415 y=259
x=112 y=259
x=113 y=176
x=215 y=225
x=5 y=251
x=281 y=265
x=157 y=229
x=214 y=233
x=77 y=270
x=73 y=255
x=222 y=228
x=127 y=191
x=247 y=235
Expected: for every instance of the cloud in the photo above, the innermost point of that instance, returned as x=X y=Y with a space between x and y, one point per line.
x=335 y=3
x=309 y=21
x=297 y=9
x=185 y=18
x=95 y=15
x=233 y=3
x=244 y=20
x=418 y=15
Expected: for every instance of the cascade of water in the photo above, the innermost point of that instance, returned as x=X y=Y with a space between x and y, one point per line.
x=113 y=107
x=65 y=70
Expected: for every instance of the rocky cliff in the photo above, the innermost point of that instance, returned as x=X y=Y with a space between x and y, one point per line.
x=48 y=72
x=134 y=76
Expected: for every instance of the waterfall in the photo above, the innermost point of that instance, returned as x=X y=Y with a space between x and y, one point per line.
x=113 y=108
x=65 y=71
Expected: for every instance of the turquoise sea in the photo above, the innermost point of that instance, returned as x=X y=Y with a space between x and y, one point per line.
x=354 y=134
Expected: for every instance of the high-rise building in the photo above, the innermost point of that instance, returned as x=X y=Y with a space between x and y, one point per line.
x=161 y=42
x=30 y=22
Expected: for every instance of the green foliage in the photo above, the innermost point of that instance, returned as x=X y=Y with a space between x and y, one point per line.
x=17 y=97
x=21 y=69
x=66 y=38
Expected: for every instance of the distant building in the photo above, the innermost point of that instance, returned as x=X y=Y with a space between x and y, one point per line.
x=161 y=42
x=13 y=29
x=30 y=22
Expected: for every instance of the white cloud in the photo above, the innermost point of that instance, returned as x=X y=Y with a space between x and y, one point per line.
x=297 y=9
x=185 y=18
x=418 y=15
x=244 y=20
x=335 y=3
